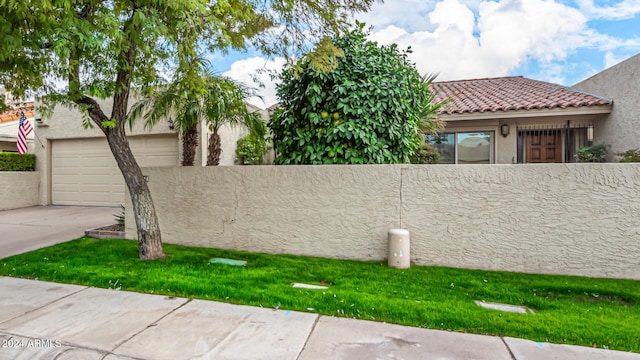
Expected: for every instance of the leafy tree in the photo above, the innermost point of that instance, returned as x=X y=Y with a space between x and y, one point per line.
x=103 y=49
x=367 y=110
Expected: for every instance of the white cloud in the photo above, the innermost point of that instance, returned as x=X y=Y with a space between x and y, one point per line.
x=463 y=39
x=257 y=68
x=625 y=9
x=610 y=59
x=406 y=14
x=497 y=39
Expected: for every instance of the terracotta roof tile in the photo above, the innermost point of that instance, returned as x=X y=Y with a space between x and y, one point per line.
x=14 y=114
x=508 y=94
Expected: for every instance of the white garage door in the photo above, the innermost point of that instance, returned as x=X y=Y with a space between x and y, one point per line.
x=85 y=173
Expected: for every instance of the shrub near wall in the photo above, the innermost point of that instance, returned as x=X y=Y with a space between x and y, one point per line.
x=16 y=162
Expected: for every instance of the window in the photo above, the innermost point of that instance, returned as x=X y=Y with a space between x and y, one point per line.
x=463 y=147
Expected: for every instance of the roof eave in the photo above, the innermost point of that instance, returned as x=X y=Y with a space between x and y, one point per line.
x=532 y=113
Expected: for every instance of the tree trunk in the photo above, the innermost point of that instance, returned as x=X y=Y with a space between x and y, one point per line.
x=149 y=239
x=215 y=149
x=189 y=145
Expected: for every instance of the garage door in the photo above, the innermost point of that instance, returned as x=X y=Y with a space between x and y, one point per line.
x=85 y=173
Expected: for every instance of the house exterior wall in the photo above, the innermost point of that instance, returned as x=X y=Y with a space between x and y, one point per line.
x=573 y=219
x=66 y=123
x=619 y=82
x=505 y=149
x=9 y=145
x=19 y=189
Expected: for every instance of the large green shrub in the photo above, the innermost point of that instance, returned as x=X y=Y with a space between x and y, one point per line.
x=367 y=110
x=16 y=162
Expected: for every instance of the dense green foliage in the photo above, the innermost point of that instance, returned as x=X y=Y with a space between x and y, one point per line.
x=630 y=156
x=15 y=162
x=574 y=310
x=591 y=154
x=367 y=110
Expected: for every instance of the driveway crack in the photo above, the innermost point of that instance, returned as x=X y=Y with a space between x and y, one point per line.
x=155 y=323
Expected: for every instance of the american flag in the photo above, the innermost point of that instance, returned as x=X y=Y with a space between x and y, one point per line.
x=24 y=129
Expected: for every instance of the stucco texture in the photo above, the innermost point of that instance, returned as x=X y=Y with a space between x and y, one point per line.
x=332 y=211
x=19 y=189
x=574 y=219
x=620 y=83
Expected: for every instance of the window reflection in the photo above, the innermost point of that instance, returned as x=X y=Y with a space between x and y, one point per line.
x=474 y=148
x=445 y=145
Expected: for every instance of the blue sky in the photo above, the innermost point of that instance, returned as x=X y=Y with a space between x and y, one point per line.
x=551 y=40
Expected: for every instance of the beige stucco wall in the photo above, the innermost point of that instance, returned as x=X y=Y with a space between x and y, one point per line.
x=19 y=189
x=576 y=219
x=333 y=211
x=620 y=83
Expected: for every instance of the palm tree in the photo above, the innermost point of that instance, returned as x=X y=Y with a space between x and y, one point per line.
x=170 y=101
x=429 y=123
x=194 y=99
x=227 y=106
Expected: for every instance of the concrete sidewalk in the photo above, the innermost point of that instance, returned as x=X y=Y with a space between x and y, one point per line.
x=40 y=320
x=27 y=229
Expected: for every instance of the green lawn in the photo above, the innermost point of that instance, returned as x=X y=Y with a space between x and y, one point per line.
x=573 y=310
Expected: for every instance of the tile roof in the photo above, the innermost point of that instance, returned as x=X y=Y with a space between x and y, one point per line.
x=14 y=114
x=510 y=93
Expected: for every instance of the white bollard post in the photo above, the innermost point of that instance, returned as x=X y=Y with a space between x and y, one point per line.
x=399 y=247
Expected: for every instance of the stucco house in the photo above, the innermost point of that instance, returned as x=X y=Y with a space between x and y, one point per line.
x=76 y=166
x=515 y=119
x=9 y=121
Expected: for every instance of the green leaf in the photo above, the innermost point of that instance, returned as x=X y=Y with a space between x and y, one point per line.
x=108 y=124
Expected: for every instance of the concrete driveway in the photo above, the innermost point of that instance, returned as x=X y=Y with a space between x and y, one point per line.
x=31 y=228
